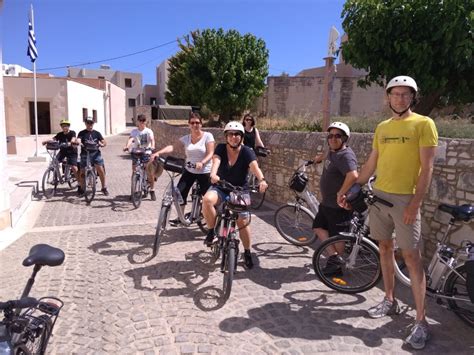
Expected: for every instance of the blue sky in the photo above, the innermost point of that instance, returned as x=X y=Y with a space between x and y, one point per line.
x=70 y=32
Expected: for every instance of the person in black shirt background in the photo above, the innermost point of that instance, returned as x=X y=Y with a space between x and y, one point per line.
x=251 y=135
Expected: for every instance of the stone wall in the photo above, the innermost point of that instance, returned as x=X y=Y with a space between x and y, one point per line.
x=453 y=177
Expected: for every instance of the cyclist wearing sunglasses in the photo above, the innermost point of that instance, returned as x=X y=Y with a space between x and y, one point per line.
x=231 y=162
x=339 y=174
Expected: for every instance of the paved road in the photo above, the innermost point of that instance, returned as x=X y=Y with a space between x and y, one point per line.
x=119 y=301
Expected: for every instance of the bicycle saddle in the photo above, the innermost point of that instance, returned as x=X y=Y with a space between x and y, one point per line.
x=43 y=254
x=460 y=213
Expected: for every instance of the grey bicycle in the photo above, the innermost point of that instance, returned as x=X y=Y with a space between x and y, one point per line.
x=140 y=186
x=27 y=332
x=58 y=172
x=172 y=197
x=294 y=220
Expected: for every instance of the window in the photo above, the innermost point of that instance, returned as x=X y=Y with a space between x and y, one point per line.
x=128 y=82
x=154 y=113
x=152 y=100
x=84 y=114
x=101 y=77
x=131 y=103
x=94 y=115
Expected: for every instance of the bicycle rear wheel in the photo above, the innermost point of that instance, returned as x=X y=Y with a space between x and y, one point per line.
x=341 y=276
x=229 y=269
x=50 y=182
x=35 y=337
x=295 y=225
x=160 y=228
x=136 y=190
x=90 y=185
x=456 y=286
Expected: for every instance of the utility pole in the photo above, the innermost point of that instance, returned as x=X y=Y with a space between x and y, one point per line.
x=330 y=70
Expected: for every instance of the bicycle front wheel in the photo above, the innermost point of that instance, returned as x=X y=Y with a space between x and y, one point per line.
x=35 y=337
x=90 y=185
x=50 y=182
x=347 y=273
x=456 y=287
x=295 y=225
x=229 y=269
x=70 y=177
x=160 y=228
x=136 y=190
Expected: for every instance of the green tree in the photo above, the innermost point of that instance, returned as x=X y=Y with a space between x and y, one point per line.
x=432 y=41
x=224 y=71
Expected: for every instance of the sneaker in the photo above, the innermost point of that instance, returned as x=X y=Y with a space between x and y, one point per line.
x=419 y=335
x=248 y=262
x=174 y=222
x=384 y=308
x=333 y=266
x=209 y=238
x=105 y=191
x=80 y=192
x=152 y=195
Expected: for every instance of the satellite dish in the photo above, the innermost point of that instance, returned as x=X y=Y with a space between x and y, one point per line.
x=332 y=46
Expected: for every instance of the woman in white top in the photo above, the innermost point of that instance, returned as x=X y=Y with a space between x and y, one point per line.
x=199 y=148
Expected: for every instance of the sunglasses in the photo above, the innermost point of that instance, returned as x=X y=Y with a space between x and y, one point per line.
x=337 y=136
x=248 y=120
x=194 y=122
x=233 y=134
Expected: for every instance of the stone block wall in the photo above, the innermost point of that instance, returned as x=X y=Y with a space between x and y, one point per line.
x=453 y=177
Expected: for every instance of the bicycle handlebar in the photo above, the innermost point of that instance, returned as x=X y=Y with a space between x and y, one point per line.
x=25 y=302
x=374 y=197
x=228 y=186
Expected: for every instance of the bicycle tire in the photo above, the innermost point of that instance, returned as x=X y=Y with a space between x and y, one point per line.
x=160 y=228
x=35 y=337
x=137 y=193
x=49 y=182
x=295 y=224
x=90 y=182
x=70 y=177
x=364 y=275
x=229 y=269
x=455 y=286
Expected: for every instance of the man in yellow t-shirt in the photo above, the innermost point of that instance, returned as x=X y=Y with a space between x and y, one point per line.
x=402 y=156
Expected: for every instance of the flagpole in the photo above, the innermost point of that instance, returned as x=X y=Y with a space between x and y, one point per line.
x=36 y=107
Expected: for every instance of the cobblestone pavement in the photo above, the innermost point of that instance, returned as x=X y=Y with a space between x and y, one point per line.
x=119 y=301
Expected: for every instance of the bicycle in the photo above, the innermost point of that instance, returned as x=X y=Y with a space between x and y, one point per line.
x=58 y=172
x=172 y=197
x=294 y=221
x=90 y=174
x=257 y=198
x=226 y=245
x=140 y=186
x=28 y=332
x=360 y=268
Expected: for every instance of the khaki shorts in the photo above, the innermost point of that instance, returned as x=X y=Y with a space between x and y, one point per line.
x=154 y=169
x=383 y=220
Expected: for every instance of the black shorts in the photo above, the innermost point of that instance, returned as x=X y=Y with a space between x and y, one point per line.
x=334 y=220
x=71 y=157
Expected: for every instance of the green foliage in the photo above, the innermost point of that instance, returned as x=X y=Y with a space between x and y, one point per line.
x=432 y=41
x=224 y=71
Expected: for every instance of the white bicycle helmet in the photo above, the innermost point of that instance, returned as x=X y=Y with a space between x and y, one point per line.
x=341 y=126
x=402 y=80
x=234 y=126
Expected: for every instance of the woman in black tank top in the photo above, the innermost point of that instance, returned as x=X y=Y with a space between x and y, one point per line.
x=251 y=135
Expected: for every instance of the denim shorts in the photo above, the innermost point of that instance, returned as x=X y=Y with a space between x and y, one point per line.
x=96 y=159
x=222 y=195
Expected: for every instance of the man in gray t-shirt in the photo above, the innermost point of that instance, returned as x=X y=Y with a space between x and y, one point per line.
x=339 y=174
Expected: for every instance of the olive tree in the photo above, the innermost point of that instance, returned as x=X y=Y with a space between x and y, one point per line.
x=432 y=41
x=225 y=71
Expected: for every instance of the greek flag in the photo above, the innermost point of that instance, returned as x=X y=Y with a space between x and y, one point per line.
x=32 y=51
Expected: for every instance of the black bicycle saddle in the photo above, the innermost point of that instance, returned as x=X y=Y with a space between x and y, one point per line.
x=43 y=254
x=460 y=213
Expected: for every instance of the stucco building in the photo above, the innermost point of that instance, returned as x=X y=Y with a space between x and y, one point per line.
x=130 y=82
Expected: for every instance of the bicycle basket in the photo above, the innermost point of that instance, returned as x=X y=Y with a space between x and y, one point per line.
x=176 y=165
x=238 y=200
x=298 y=181
x=262 y=152
x=52 y=145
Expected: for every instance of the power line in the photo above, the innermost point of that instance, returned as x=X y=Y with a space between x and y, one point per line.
x=109 y=59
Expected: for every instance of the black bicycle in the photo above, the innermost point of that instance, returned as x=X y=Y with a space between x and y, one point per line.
x=28 y=322
x=58 y=172
x=90 y=173
x=257 y=197
x=227 y=244
x=140 y=186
